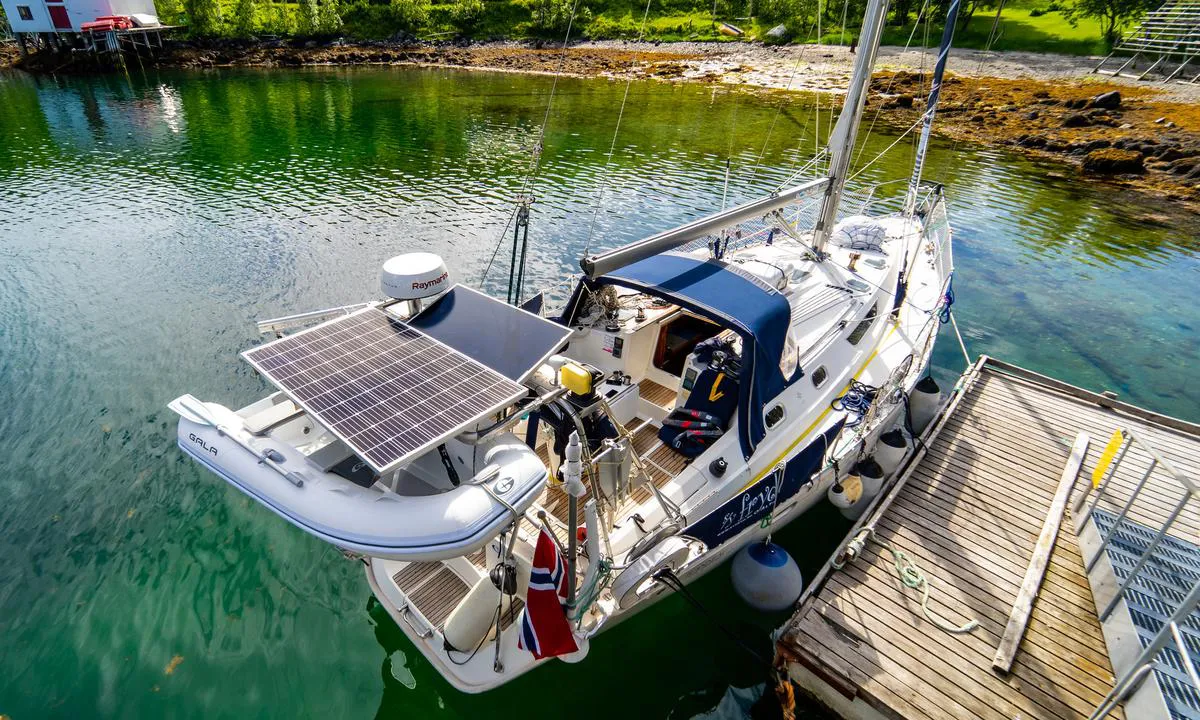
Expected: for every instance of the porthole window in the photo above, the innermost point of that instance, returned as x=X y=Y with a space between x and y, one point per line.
x=856 y=335
x=819 y=376
x=775 y=416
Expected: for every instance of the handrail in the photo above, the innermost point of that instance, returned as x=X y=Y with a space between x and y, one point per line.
x=1170 y=631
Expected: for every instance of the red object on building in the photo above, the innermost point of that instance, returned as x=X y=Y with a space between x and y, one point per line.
x=59 y=17
x=120 y=22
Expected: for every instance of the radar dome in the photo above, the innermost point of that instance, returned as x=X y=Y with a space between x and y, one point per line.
x=414 y=276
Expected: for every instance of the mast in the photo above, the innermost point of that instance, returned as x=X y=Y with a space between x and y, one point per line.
x=935 y=91
x=841 y=143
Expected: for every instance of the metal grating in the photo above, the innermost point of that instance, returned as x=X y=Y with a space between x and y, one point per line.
x=1163 y=582
x=1171 y=35
x=386 y=389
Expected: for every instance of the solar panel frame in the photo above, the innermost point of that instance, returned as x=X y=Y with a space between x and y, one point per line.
x=355 y=375
x=512 y=341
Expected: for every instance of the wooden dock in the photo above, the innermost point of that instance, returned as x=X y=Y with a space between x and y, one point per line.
x=968 y=510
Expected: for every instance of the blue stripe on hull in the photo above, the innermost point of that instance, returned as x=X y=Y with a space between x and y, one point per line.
x=755 y=502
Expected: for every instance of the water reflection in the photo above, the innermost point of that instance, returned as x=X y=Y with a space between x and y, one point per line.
x=147 y=220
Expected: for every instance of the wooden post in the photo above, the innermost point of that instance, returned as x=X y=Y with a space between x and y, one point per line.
x=21 y=44
x=1023 y=607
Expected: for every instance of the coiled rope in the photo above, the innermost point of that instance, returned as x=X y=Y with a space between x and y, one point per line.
x=913 y=577
x=587 y=595
x=856 y=400
x=947 y=301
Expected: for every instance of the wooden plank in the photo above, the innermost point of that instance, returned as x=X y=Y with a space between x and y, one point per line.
x=884 y=677
x=876 y=591
x=957 y=664
x=1030 y=586
x=931 y=673
x=982 y=579
x=1043 y=382
x=1005 y=550
x=982 y=510
x=1051 y=663
x=657 y=394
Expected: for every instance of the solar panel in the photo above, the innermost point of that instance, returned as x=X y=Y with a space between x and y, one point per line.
x=511 y=341
x=386 y=389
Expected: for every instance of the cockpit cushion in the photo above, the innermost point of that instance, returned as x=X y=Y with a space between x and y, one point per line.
x=706 y=414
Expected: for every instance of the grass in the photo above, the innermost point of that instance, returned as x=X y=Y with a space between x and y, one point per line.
x=1026 y=25
x=1019 y=29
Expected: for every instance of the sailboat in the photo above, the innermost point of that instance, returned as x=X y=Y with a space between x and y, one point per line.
x=700 y=389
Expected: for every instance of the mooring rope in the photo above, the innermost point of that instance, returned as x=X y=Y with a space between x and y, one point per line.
x=913 y=577
x=667 y=577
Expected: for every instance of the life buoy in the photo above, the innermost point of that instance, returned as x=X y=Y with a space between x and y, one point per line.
x=634 y=580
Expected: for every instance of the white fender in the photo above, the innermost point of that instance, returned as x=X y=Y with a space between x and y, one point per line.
x=923 y=403
x=631 y=583
x=847 y=496
x=584 y=645
x=890 y=450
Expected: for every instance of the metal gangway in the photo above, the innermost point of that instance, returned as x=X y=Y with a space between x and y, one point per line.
x=1151 y=621
x=1169 y=37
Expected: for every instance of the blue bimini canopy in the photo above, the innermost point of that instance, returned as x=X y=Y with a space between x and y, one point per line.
x=731 y=298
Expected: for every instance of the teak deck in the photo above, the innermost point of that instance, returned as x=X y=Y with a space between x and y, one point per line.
x=969 y=515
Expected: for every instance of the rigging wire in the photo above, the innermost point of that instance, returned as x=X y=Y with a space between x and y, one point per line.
x=886 y=91
x=886 y=150
x=779 y=107
x=612 y=148
x=983 y=58
x=535 y=160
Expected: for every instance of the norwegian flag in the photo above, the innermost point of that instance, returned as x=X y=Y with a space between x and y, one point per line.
x=545 y=630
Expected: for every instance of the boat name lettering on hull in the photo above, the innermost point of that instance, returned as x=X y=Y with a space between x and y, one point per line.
x=204 y=445
x=753 y=504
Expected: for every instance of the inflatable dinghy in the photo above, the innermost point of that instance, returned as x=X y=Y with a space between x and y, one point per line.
x=315 y=482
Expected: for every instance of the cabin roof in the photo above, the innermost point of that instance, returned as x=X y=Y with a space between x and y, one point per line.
x=733 y=298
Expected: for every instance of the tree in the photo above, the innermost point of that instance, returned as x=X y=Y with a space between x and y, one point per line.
x=331 y=17
x=170 y=12
x=245 y=18
x=1112 y=14
x=278 y=21
x=410 y=13
x=310 y=17
x=203 y=16
x=466 y=13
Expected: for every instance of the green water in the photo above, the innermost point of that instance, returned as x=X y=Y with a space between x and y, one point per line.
x=145 y=222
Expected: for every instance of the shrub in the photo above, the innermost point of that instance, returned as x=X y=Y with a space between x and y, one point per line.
x=244 y=18
x=464 y=14
x=310 y=17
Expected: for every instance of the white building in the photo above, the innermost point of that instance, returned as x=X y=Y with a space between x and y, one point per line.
x=66 y=16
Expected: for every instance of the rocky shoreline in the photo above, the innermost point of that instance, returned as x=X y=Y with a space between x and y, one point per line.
x=1141 y=136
